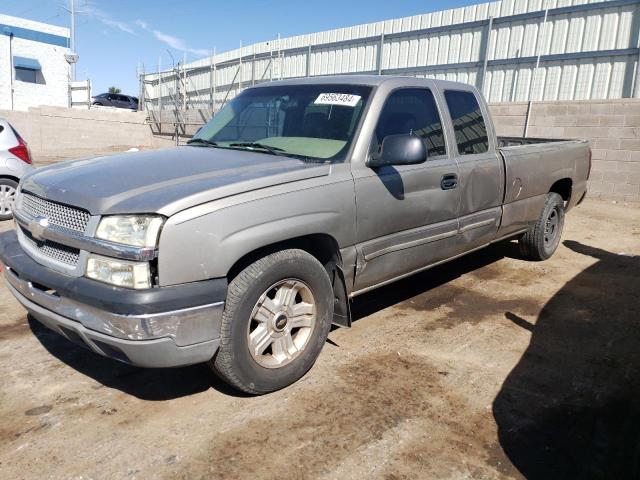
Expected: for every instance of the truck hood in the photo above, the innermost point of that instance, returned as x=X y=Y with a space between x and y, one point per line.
x=164 y=181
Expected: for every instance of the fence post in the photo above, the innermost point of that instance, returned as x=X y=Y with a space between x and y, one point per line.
x=485 y=57
x=211 y=85
x=184 y=81
x=380 y=47
x=253 y=66
x=240 y=68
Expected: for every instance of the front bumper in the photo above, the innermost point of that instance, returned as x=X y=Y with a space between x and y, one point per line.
x=159 y=327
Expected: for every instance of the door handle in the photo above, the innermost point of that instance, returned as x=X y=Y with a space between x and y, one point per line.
x=449 y=181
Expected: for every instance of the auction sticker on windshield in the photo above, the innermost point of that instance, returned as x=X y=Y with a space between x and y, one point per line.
x=342 y=99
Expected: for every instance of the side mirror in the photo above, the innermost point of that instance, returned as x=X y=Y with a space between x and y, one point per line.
x=403 y=149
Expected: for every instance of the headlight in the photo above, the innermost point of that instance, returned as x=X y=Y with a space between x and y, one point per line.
x=134 y=230
x=122 y=273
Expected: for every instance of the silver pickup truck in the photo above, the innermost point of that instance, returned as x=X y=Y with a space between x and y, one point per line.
x=242 y=248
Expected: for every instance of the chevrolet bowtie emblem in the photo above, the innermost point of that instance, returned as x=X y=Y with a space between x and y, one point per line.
x=37 y=227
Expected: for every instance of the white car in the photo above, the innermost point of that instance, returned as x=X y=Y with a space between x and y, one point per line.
x=15 y=162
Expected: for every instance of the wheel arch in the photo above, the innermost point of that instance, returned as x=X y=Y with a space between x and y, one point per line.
x=325 y=249
x=563 y=187
x=10 y=177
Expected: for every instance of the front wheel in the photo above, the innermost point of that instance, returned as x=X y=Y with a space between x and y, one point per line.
x=276 y=320
x=8 y=190
x=542 y=240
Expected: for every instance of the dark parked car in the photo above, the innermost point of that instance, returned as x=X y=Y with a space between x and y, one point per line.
x=115 y=100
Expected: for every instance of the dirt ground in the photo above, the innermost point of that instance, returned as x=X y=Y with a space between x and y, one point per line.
x=488 y=367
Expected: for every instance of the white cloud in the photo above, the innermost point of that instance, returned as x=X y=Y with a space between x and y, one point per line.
x=130 y=28
x=119 y=25
x=173 y=42
x=106 y=19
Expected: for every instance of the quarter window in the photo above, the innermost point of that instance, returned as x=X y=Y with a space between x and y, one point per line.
x=412 y=110
x=468 y=123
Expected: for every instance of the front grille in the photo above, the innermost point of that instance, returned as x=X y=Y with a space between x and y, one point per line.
x=57 y=213
x=53 y=250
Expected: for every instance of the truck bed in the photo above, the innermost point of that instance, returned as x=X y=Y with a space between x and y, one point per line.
x=532 y=166
x=518 y=141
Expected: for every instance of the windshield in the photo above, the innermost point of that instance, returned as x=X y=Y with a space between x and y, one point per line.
x=316 y=122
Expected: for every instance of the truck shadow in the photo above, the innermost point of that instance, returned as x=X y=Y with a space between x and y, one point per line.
x=143 y=383
x=570 y=408
x=402 y=290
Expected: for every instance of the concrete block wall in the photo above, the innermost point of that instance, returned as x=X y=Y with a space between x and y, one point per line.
x=55 y=133
x=611 y=126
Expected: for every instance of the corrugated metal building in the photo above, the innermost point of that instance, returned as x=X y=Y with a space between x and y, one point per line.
x=515 y=50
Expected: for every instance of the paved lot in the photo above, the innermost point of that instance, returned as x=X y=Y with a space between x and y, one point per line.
x=488 y=367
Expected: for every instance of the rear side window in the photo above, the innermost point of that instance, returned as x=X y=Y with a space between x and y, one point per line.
x=15 y=132
x=412 y=110
x=468 y=123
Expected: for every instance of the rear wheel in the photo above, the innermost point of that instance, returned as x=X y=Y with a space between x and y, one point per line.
x=8 y=190
x=542 y=240
x=276 y=320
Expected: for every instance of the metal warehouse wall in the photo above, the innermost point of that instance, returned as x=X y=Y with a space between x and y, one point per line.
x=515 y=50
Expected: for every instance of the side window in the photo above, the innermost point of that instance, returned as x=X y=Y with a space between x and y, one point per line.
x=468 y=123
x=412 y=110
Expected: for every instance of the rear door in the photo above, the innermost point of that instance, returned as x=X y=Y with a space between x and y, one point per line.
x=123 y=101
x=406 y=215
x=481 y=172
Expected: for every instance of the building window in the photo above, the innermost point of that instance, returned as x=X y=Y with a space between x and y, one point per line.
x=26 y=75
x=27 y=70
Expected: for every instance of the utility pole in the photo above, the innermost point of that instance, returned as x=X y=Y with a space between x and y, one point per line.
x=73 y=57
x=73 y=37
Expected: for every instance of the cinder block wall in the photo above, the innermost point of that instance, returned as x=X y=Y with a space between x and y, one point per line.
x=55 y=133
x=611 y=126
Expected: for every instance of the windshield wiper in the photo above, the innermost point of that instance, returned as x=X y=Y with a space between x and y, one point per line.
x=202 y=141
x=252 y=145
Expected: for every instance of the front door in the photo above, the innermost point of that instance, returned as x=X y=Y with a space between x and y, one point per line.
x=406 y=215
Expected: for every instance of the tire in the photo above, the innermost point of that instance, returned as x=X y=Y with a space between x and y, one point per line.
x=271 y=294
x=8 y=189
x=542 y=240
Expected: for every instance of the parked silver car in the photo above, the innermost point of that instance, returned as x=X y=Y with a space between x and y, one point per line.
x=15 y=162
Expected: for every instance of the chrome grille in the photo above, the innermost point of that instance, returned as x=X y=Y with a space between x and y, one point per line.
x=53 y=250
x=57 y=213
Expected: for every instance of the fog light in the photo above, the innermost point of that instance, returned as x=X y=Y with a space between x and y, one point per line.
x=121 y=273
